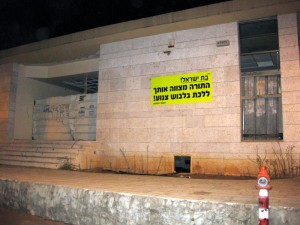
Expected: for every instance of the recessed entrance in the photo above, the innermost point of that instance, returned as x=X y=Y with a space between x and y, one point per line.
x=182 y=164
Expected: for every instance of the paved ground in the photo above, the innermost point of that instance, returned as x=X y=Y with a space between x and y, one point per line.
x=285 y=192
x=11 y=217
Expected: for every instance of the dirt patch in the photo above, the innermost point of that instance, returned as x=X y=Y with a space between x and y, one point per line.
x=12 y=217
x=209 y=176
x=179 y=175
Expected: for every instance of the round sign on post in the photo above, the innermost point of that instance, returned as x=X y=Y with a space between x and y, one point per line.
x=262 y=181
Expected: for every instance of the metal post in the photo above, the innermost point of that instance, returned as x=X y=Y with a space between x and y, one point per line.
x=263 y=180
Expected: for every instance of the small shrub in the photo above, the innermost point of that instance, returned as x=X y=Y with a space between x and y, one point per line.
x=280 y=162
x=67 y=164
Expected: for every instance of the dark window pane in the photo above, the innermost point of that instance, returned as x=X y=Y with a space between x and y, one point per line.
x=259 y=36
x=272 y=114
x=273 y=85
x=248 y=86
x=258 y=28
x=259 y=44
x=260 y=61
x=261 y=122
x=262 y=119
x=260 y=86
x=182 y=164
x=248 y=117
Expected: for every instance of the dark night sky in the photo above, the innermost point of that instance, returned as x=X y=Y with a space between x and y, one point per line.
x=26 y=21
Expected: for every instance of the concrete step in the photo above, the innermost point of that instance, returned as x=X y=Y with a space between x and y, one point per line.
x=39 y=150
x=38 y=154
x=45 y=154
x=30 y=164
x=71 y=145
x=38 y=159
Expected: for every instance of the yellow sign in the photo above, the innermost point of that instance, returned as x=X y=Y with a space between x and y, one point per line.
x=181 y=88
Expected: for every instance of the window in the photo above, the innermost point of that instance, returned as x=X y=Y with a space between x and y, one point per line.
x=182 y=164
x=260 y=80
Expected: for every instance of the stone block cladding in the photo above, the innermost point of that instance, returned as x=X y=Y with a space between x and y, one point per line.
x=136 y=137
x=8 y=87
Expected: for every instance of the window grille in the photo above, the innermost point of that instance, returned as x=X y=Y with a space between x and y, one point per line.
x=261 y=100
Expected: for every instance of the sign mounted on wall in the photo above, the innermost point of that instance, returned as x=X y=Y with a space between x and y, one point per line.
x=181 y=89
x=223 y=43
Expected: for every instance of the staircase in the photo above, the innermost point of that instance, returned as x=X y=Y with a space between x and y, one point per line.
x=44 y=154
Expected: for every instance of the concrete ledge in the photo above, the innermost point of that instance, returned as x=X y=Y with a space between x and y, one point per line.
x=87 y=206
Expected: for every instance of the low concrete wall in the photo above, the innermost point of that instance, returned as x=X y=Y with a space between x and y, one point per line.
x=83 y=206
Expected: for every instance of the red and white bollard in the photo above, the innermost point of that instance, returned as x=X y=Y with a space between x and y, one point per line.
x=263 y=180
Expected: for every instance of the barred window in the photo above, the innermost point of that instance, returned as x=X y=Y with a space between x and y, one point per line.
x=260 y=80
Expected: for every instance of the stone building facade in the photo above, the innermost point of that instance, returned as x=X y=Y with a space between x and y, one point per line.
x=230 y=135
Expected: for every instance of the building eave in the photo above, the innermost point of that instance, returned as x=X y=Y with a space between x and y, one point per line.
x=85 y=44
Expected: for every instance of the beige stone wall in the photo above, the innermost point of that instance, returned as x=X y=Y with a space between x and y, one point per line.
x=8 y=74
x=290 y=72
x=290 y=77
x=65 y=118
x=27 y=91
x=134 y=136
